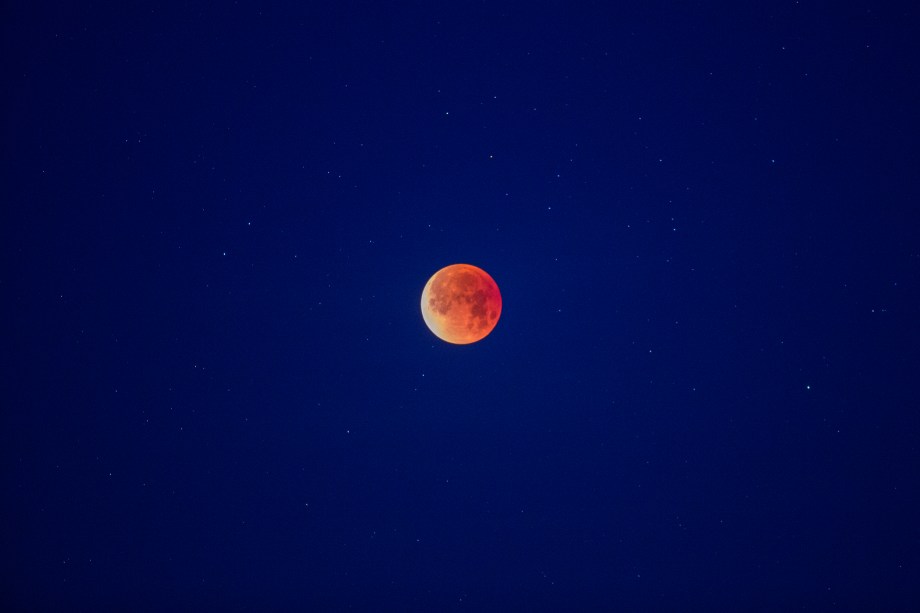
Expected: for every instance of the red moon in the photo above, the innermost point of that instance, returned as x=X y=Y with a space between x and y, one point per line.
x=461 y=304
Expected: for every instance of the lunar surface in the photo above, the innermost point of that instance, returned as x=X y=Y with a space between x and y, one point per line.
x=461 y=304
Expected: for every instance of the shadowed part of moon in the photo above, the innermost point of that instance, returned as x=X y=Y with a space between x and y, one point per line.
x=461 y=304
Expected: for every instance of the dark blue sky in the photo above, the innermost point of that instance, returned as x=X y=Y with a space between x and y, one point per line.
x=217 y=388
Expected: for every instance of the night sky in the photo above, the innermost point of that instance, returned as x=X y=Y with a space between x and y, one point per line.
x=217 y=388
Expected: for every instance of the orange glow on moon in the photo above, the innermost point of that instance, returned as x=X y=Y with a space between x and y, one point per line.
x=461 y=304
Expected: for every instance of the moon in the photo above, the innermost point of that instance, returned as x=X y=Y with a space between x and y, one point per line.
x=461 y=304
